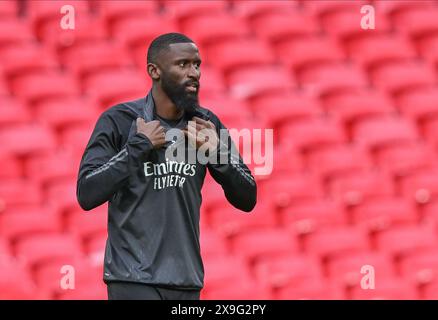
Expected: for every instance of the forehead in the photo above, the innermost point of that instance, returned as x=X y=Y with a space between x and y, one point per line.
x=177 y=51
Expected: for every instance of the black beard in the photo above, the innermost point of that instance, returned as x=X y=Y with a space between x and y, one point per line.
x=182 y=99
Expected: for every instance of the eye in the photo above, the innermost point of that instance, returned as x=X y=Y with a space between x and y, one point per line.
x=182 y=64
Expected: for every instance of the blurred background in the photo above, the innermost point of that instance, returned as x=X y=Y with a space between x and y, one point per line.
x=355 y=119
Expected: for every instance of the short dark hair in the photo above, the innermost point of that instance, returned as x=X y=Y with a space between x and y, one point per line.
x=163 y=42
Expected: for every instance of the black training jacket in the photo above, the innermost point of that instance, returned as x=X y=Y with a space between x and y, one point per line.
x=153 y=203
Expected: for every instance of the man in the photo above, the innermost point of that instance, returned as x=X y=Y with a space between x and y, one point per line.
x=153 y=250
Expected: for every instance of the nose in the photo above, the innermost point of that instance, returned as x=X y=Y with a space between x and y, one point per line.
x=194 y=72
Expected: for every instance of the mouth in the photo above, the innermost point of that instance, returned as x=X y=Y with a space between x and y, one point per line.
x=192 y=88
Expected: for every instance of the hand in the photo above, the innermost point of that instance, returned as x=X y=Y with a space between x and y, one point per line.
x=201 y=132
x=153 y=130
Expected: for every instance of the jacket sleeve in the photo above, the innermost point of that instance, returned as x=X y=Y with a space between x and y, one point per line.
x=239 y=185
x=105 y=167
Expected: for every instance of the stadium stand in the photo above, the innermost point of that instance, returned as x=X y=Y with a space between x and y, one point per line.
x=354 y=114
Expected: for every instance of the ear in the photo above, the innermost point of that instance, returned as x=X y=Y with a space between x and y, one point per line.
x=154 y=71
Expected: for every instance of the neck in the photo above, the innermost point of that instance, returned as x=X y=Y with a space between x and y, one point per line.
x=164 y=107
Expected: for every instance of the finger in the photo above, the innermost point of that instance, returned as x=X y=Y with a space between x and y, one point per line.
x=196 y=126
x=206 y=123
x=190 y=135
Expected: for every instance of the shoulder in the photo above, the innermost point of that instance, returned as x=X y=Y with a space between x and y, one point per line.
x=117 y=120
x=129 y=109
x=210 y=115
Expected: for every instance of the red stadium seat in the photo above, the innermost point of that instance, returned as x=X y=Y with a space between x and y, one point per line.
x=85 y=225
x=288 y=162
x=355 y=188
x=230 y=54
x=351 y=106
x=247 y=291
x=136 y=34
x=403 y=159
x=5 y=249
x=421 y=186
x=4 y=90
x=309 y=216
x=50 y=275
x=312 y=290
x=384 y=131
x=133 y=31
x=19 y=192
x=376 y=49
x=338 y=161
x=430 y=292
x=192 y=8
x=62 y=194
x=16 y=281
x=115 y=10
x=86 y=29
x=212 y=244
x=254 y=245
x=257 y=80
x=430 y=130
x=16 y=224
x=227 y=108
x=278 y=272
x=91 y=291
x=417 y=21
x=112 y=87
x=9 y=9
x=350 y=269
x=231 y=221
x=429 y=213
x=328 y=6
x=95 y=247
x=305 y=51
x=384 y=213
x=253 y=9
x=428 y=47
x=278 y=108
x=64 y=112
x=21 y=59
x=312 y=134
x=38 y=86
x=14 y=31
x=212 y=83
x=345 y=24
x=403 y=240
x=212 y=194
x=396 y=77
x=331 y=78
x=11 y=166
x=220 y=271
x=394 y=6
x=75 y=139
x=94 y=57
x=13 y=112
x=27 y=139
x=285 y=190
x=420 y=267
x=419 y=104
x=386 y=290
x=335 y=242
x=39 y=249
x=220 y=27
x=42 y=11
x=277 y=26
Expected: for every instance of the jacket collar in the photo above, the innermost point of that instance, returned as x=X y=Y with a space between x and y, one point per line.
x=149 y=107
